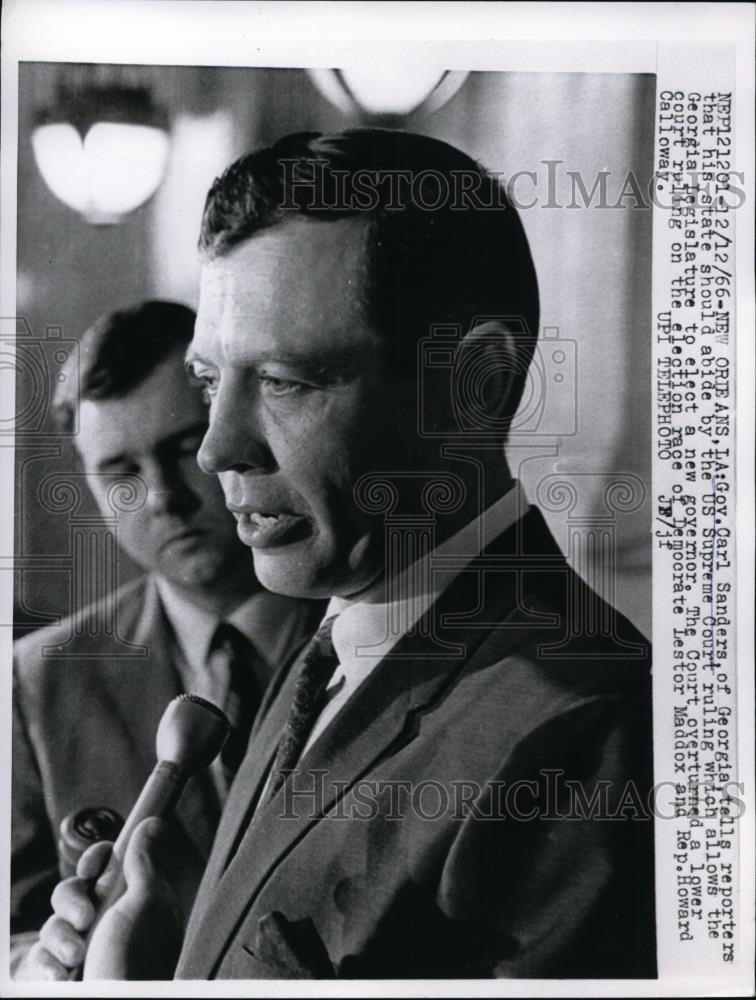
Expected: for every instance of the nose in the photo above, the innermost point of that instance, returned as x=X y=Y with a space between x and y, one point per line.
x=235 y=440
x=167 y=492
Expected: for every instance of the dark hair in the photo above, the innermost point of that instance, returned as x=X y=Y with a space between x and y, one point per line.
x=444 y=244
x=119 y=351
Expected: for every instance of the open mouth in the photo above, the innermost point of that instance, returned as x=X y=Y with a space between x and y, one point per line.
x=263 y=530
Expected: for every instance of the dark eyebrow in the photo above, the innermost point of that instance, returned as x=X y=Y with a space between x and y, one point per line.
x=339 y=365
x=338 y=362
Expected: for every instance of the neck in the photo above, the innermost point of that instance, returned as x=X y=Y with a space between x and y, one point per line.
x=496 y=484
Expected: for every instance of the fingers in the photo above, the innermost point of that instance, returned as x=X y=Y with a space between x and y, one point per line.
x=95 y=866
x=62 y=942
x=140 y=934
x=39 y=963
x=145 y=860
x=71 y=902
x=94 y=859
x=61 y=947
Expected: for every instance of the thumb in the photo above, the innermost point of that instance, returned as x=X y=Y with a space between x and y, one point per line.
x=146 y=859
x=139 y=936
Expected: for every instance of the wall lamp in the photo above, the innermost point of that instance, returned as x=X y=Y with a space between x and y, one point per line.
x=384 y=92
x=102 y=150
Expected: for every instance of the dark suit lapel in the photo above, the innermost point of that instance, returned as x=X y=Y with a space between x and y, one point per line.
x=248 y=848
x=382 y=715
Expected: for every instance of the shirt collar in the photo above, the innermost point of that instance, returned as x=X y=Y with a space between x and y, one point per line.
x=269 y=621
x=365 y=630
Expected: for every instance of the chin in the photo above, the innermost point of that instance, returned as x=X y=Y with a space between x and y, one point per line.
x=287 y=576
x=295 y=577
x=198 y=572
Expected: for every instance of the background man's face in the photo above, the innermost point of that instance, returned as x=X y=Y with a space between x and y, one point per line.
x=300 y=401
x=181 y=528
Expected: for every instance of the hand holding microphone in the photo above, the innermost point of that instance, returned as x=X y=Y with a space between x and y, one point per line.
x=189 y=737
x=128 y=927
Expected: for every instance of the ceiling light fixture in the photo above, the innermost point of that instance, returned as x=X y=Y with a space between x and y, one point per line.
x=102 y=150
x=387 y=91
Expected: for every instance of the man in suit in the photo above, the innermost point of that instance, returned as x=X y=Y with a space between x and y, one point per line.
x=88 y=696
x=453 y=779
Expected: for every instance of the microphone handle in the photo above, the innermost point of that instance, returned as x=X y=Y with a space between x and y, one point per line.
x=158 y=797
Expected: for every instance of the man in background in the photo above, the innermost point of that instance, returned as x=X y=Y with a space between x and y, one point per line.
x=87 y=698
x=450 y=782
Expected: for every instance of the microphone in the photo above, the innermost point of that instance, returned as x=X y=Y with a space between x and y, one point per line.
x=189 y=737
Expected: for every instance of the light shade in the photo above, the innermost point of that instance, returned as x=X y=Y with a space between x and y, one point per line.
x=388 y=88
x=98 y=157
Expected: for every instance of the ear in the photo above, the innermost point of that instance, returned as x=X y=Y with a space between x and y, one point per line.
x=485 y=369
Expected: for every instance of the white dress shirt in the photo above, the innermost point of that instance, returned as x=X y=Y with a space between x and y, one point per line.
x=367 y=628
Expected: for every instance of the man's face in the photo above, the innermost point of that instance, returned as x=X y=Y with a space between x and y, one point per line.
x=181 y=529
x=301 y=403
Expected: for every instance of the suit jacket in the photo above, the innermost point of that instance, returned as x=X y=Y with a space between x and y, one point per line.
x=519 y=673
x=86 y=708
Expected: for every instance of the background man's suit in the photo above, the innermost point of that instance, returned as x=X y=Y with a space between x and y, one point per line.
x=454 y=897
x=84 y=736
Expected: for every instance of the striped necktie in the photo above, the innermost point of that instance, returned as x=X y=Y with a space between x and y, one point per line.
x=245 y=690
x=318 y=666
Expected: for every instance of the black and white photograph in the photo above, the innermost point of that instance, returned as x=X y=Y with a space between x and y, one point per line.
x=376 y=594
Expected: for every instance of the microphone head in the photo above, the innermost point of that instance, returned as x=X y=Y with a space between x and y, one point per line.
x=191 y=733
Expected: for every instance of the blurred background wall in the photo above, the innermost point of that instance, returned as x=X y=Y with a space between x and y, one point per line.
x=584 y=450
